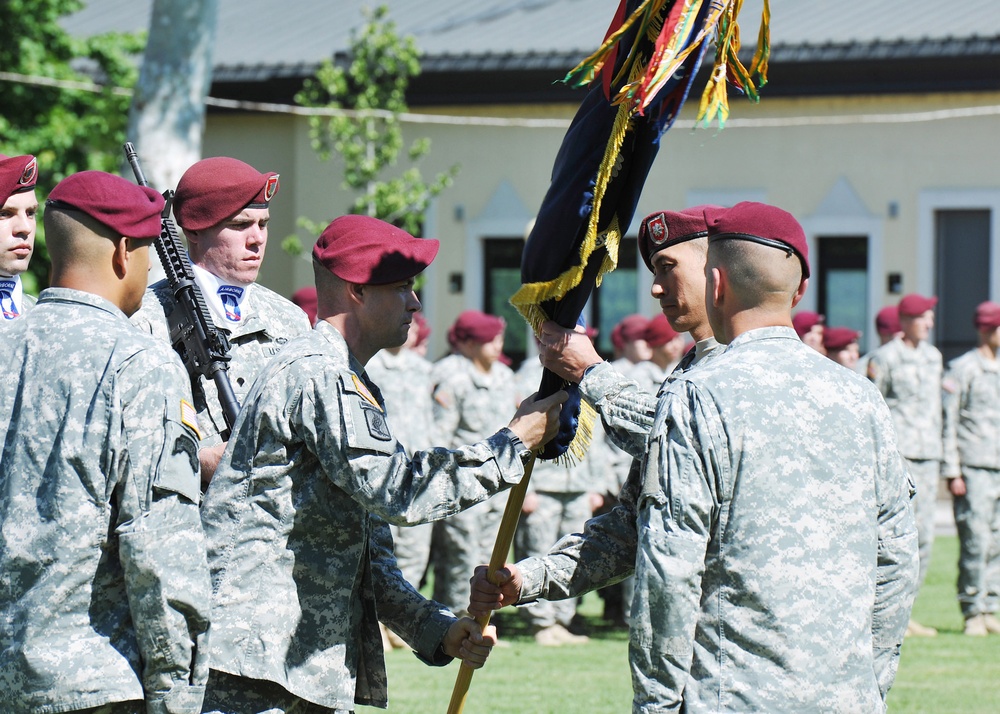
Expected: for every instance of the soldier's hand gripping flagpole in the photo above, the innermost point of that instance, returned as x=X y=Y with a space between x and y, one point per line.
x=645 y=67
x=501 y=549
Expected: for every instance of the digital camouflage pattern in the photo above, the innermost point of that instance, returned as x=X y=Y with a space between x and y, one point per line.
x=404 y=379
x=777 y=553
x=301 y=570
x=469 y=405
x=971 y=413
x=910 y=380
x=972 y=451
x=104 y=587
x=605 y=551
x=270 y=322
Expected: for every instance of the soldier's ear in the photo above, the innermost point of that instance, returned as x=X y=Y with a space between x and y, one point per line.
x=356 y=292
x=800 y=293
x=120 y=256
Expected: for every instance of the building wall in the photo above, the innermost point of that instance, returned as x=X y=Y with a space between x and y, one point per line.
x=841 y=165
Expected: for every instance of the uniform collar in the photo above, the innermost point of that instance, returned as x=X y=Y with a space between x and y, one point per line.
x=766 y=333
x=68 y=295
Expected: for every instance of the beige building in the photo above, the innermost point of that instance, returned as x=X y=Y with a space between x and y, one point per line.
x=877 y=130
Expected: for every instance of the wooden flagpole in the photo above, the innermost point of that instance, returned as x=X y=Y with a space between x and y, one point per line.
x=501 y=549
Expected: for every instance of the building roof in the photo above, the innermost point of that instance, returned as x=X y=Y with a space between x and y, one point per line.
x=820 y=43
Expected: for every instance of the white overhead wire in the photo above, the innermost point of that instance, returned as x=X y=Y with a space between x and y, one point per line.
x=456 y=120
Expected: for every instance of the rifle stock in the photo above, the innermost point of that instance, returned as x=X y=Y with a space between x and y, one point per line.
x=202 y=346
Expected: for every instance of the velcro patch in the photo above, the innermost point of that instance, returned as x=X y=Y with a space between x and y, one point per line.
x=377 y=427
x=189 y=417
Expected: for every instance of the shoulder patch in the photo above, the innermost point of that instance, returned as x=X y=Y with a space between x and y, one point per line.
x=377 y=427
x=189 y=417
x=872 y=369
x=949 y=385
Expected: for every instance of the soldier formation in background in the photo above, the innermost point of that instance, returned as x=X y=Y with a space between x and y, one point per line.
x=315 y=523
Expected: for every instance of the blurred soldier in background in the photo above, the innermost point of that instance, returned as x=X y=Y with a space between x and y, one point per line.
x=471 y=401
x=907 y=371
x=972 y=467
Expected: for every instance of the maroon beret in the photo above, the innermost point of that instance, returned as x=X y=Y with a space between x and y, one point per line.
x=633 y=327
x=217 y=188
x=760 y=223
x=306 y=299
x=837 y=338
x=887 y=320
x=128 y=210
x=659 y=332
x=17 y=174
x=367 y=251
x=476 y=326
x=805 y=320
x=987 y=315
x=914 y=305
x=423 y=329
x=666 y=228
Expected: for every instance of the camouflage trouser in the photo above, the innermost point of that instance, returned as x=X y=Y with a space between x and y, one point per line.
x=461 y=542
x=977 y=517
x=412 y=548
x=556 y=515
x=925 y=474
x=231 y=694
x=129 y=707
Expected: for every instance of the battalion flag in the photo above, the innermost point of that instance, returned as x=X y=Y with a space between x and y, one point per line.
x=650 y=57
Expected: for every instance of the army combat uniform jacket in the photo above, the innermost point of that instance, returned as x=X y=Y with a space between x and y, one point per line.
x=777 y=558
x=270 y=321
x=971 y=414
x=301 y=570
x=910 y=381
x=605 y=552
x=104 y=586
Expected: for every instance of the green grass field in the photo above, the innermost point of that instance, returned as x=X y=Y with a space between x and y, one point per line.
x=948 y=673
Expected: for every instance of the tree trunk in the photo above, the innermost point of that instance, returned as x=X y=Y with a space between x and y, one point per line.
x=167 y=116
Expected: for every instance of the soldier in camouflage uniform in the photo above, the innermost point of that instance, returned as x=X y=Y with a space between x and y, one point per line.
x=673 y=245
x=471 y=400
x=222 y=206
x=972 y=467
x=18 y=209
x=887 y=328
x=104 y=585
x=908 y=371
x=302 y=569
x=738 y=495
